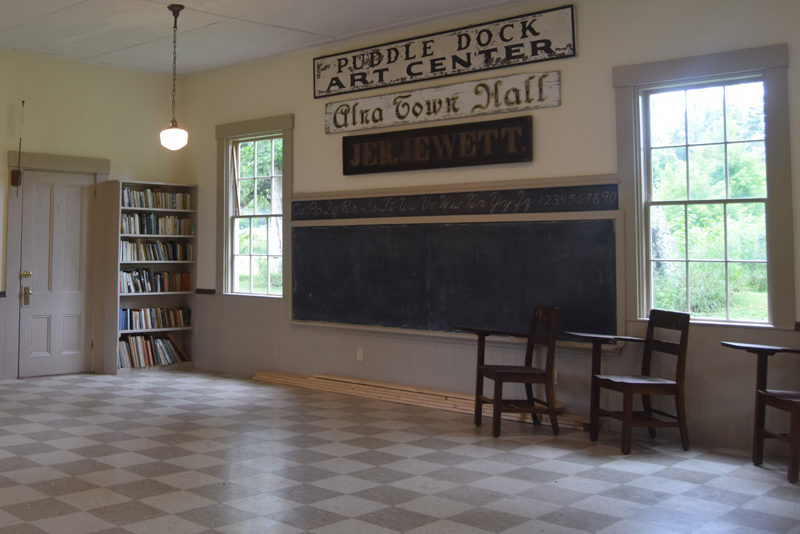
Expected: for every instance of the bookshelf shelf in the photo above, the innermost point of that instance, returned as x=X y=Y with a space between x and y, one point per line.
x=152 y=330
x=155 y=293
x=151 y=279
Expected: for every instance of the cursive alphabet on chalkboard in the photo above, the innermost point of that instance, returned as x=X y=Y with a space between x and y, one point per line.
x=602 y=197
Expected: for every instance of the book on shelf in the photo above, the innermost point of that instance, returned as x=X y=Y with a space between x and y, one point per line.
x=155 y=251
x=147 y=351
x=156 y=198
x=146 y=281
x=153 y=318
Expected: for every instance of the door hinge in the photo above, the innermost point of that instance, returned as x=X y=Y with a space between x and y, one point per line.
x=91 y=344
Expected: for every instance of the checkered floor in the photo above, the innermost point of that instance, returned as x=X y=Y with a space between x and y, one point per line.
x=189 y=452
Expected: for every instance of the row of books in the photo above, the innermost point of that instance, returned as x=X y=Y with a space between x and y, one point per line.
x=151 y=224
x=159 y=199
x=149 y=318
x=155 y=251
x=147 y=281
x=145 y=351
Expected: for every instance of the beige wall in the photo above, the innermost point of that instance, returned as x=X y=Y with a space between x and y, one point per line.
x=74 y=109
x=84 y=110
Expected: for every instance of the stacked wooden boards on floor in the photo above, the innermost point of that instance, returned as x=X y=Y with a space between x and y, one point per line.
x=444 y=400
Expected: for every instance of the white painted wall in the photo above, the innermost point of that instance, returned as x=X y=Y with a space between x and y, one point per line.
x=240 y=335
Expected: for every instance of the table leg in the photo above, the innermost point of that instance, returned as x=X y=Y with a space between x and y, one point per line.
x=594 y=408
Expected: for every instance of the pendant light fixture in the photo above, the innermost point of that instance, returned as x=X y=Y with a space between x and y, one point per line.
x=174 y=138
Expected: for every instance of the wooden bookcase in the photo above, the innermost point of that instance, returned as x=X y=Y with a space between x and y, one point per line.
x=150 y=272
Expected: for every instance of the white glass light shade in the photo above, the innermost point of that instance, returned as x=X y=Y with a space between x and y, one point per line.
x=174 y=138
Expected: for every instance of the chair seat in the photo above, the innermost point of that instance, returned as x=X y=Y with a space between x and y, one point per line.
x=636 y=380
x=512 y=373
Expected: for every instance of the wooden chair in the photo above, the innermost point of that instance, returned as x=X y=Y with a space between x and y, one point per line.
x=543 y=332
x=673 y=324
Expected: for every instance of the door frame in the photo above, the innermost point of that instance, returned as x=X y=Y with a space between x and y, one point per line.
x=9 y=366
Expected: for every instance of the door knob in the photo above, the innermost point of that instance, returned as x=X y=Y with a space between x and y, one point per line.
x=26 y=274
x=26 y=296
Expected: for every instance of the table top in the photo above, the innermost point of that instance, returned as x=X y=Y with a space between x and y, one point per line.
x=602 y=338
x=756 y=348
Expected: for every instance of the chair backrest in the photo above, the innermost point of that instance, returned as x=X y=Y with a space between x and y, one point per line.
x=543 y=332
x=667 y=333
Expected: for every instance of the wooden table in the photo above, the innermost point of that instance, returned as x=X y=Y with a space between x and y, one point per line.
x=762 y=393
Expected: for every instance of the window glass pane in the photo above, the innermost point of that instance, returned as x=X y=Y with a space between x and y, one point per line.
x=263 y=157
x=669 y=285
x=747 y=170
x=246 y=159
x=277 y=156
x=704 y=116
x=668 y=172
x=276 y=275
x=259 y=235
x=747 y=284
x=747 y=231
x=246 y=197
x=667 y=119
x=259 y=267
x=241 y=274
x=707 y=172
x=744 y=111
x=706 y=226
x=263 y=196
x=277 y=195
x=275 y=235
x=667 y=232
x=707 y=290
x=241 y=238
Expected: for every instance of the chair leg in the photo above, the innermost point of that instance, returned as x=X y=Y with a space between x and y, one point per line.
x=648 y=410
x=478 y=395
x=680 y=411
x=529 y=396
x=627 y=421
x=497 y=401
x=758 y=427
x=594 y=411
x=794 y=446
x=550 y=393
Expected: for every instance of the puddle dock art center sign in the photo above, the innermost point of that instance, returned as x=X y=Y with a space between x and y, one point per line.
x=518 y=40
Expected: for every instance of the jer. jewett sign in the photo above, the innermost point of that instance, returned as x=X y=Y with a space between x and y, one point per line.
x=477 y=143
x=514 y=41
x=495 y=95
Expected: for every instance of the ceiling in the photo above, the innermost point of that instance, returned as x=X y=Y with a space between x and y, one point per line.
x=137 y=34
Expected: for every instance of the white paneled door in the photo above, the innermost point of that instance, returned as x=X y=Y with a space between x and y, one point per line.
x=54 y=319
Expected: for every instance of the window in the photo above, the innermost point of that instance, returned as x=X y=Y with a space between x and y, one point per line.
x=257 y=220
x=705 y=193
x=704 y=165
x=255 y=170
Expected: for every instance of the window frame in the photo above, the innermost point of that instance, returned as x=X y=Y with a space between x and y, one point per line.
x=228 y=135
x=768 y=63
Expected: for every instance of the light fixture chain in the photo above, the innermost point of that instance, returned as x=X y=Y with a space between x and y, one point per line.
x=174 y=61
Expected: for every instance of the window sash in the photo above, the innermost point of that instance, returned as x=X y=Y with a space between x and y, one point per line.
x=648 y=202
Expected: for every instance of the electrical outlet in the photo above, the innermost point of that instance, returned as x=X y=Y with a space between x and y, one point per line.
x=359 y=354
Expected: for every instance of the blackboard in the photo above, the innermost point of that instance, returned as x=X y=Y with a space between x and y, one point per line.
x=434 y=276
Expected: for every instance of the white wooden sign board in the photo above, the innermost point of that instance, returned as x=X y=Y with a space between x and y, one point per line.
x=516 y=92
x=513 y=41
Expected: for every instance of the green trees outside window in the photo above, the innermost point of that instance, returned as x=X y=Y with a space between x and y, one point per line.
x=257 y=244
x=705 y=200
